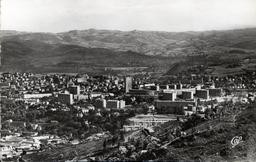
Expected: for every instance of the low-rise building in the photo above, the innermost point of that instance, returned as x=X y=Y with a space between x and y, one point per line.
x=141 y=92
x=172 y=86
x=100 y=103
x=164 y=86
x=121 y=104
x=202 y=93
x=65 y=98
x=18 y=124
x=149 y=120
x=95 y=94
x=172 y=107
x=82 y=80
x=4 y=85
x=75 y=90
x=179 y=91
x=187 y=95
x=215 y=92
x=115 y=104
x=36 y=95
x=179 y=86
x=112 y=104
x=167 y=96
x=81 y=97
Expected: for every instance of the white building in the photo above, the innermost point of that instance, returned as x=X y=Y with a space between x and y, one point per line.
x=149 y=120
x=36 y=95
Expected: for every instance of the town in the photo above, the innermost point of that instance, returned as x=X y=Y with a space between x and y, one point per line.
x=136 y=116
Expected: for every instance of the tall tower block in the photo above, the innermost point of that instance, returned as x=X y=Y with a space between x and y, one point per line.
x=127 y=84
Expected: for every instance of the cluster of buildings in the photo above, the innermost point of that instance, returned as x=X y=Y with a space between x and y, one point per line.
x=61 y=92
x=106 y=93
x=175 y=99
x=68 y=89
x=73 y=94
x=12 y=146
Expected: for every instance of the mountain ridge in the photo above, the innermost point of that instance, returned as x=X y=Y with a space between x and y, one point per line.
x=112 y=48
x=144 y=42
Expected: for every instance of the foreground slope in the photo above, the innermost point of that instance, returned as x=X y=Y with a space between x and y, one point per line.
x=206 y=145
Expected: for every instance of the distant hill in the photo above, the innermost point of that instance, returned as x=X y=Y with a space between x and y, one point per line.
x=103 y=48
x=35 y=56
x=147 y=42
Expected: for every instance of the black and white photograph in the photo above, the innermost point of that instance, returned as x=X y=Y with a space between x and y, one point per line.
x=127 y=80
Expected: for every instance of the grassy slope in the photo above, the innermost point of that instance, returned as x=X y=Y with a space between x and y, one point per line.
x=215 y=145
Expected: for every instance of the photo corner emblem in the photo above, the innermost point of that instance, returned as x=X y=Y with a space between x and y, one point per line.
x=236 y=140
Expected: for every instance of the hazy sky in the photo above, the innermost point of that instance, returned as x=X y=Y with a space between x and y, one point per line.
x=163 y=15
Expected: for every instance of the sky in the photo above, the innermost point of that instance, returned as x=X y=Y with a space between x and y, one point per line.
x=154 y=15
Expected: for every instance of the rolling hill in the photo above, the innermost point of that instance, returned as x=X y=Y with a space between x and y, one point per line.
x=76 y=51
x=35 y=56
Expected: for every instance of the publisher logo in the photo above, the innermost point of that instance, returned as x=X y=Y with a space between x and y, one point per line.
x=236 y=140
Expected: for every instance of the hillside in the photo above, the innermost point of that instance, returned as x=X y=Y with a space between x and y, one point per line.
x=224 y=52
x=148 y=42
x=35 y=56
x=207 y=144
x=215 y=144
